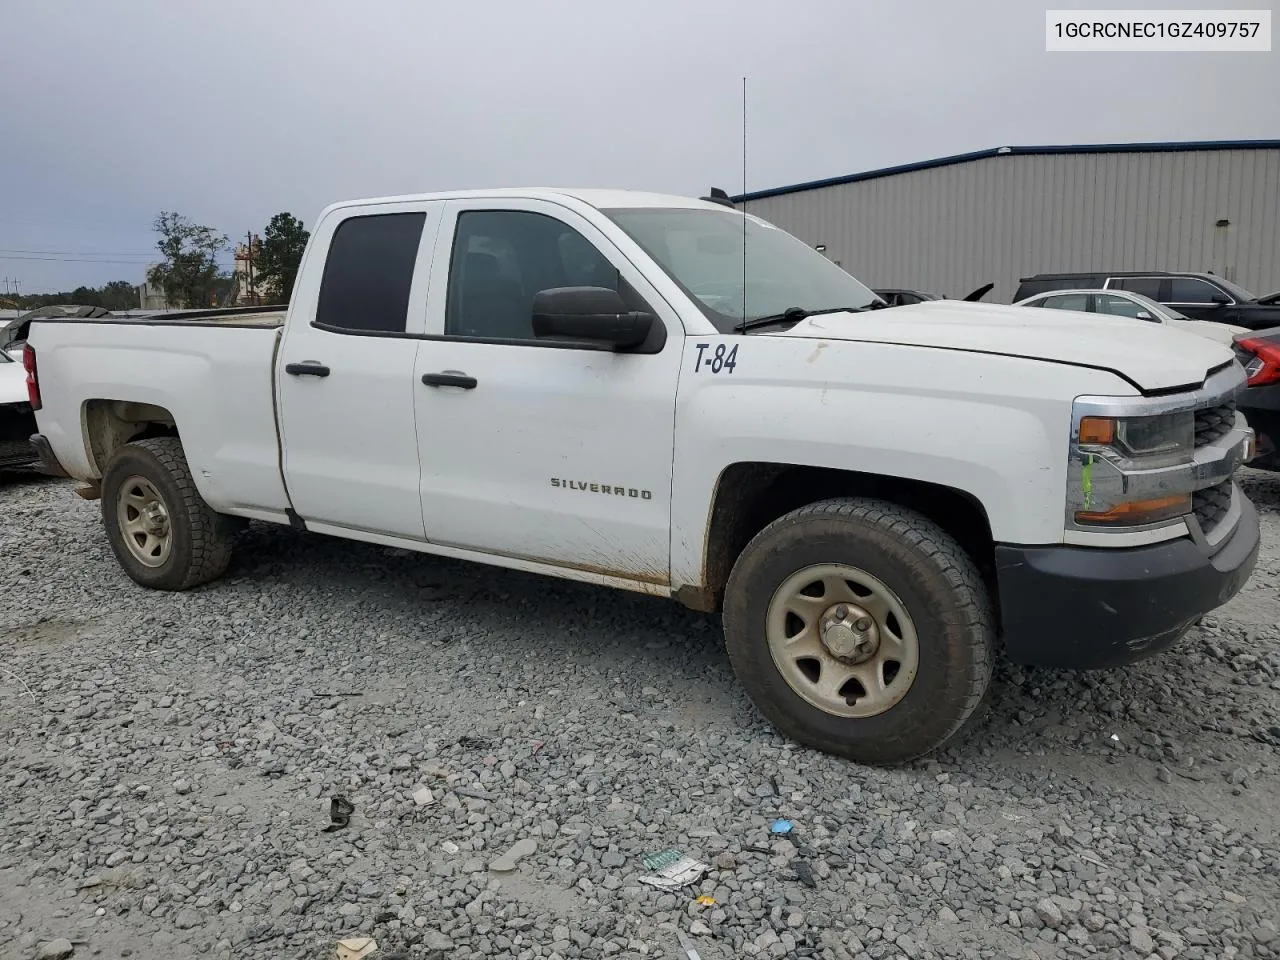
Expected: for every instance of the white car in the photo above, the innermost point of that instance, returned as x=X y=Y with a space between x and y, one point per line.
x=17 y=422
x=596 y=385
x=1122 y=303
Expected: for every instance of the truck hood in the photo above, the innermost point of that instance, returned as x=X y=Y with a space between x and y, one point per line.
x=1146 y=354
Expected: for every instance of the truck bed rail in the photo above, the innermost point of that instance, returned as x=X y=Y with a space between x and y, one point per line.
x=270 y=316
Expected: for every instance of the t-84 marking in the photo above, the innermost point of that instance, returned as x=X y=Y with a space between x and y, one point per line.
x=723 y=360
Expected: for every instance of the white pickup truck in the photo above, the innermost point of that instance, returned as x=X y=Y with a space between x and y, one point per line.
x=601 y=386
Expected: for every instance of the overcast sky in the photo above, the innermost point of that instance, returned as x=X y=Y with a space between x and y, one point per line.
x=232 y=111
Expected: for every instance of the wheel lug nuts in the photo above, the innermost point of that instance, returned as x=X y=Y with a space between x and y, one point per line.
x=864 y=623
x=841 y=612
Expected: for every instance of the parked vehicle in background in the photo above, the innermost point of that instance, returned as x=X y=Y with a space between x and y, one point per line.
x=13 y=334
x=659 y=394
x=1259 y=353
x=17 y=421
x=901 y=298
x=1134 y=306
x=896 y=297
x=1198 y=296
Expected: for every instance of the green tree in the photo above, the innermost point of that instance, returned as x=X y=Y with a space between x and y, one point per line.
x=120 y=295
x=189 y=271
x=277 y=259
x=87 y=296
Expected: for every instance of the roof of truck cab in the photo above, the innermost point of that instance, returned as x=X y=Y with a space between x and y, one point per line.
x=599 y=198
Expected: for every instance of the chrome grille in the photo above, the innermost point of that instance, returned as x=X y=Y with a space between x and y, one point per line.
x=1211 y=504
x=1214 y=423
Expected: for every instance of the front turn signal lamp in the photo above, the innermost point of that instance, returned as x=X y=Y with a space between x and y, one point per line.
x=1136 y=512
x=1097 y=431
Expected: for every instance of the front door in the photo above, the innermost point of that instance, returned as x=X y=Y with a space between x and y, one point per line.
x=538 y=450
x=345 y=372
x=1201 y=300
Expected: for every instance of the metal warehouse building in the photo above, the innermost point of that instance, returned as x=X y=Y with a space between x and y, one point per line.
x=950 y=225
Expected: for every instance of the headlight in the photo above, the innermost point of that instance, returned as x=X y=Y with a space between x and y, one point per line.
x=1134 y=444
x=1157 y=441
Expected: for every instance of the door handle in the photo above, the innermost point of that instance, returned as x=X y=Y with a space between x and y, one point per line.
x=308 y=369
x=449 y=379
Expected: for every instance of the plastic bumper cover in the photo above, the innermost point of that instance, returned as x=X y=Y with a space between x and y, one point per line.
x=1091 y=607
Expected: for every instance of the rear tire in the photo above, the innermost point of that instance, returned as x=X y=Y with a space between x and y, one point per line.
x=161 y=530
x=860 y=628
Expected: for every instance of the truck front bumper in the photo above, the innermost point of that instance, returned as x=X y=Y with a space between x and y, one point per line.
x=1090 y=607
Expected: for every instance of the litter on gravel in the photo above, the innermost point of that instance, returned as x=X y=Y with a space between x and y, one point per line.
x=676 y=874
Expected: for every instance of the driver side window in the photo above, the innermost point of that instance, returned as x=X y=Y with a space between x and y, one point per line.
x=1119 y=307
x=503 y=258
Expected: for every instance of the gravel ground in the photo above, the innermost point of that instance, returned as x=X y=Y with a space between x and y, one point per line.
x=168 y=763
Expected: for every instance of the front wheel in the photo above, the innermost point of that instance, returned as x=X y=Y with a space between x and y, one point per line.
x=161 y=530
x=860 y=628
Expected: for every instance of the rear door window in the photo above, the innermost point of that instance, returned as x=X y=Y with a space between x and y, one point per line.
x=1147 y=286
x=368 y=273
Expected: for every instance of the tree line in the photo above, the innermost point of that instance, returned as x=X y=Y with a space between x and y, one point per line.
x=188 y=271
x=116 y=295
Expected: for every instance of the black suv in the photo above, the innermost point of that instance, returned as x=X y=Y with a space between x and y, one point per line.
x=1200 y=296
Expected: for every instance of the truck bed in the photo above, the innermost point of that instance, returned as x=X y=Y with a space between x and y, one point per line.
x=211 y=371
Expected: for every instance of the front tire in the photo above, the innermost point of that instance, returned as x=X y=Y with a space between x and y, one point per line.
x=161 y=530
x=860 y=628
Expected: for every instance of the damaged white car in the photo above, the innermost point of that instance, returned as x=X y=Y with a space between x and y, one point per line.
x=17 y=421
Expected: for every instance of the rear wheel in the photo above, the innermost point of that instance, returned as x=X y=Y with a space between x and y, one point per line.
x=160 y=528
x=860 y=628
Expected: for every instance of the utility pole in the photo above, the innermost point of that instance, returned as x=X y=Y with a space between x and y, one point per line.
x=253 y=298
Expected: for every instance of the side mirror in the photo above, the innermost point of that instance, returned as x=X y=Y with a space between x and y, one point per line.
x=589 y=313
x=1219 y=299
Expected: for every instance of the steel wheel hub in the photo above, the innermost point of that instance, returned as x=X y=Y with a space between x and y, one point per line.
x=842 y=640
x=144 y=521
x=849 y=633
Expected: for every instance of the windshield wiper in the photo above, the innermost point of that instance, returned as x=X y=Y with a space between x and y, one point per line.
x=796 y=314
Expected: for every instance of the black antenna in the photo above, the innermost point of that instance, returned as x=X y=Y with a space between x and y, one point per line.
x=744 y=198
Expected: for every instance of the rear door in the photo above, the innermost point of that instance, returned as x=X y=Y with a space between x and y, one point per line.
x=345 y=371
x=544 y=451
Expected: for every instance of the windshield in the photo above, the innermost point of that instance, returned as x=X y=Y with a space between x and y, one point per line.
x=701 y=250
x=1157 y=309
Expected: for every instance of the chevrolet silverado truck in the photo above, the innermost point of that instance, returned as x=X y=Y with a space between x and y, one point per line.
x=606 y=387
